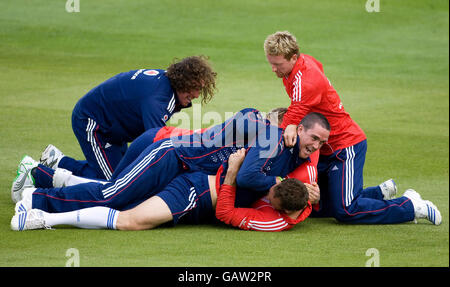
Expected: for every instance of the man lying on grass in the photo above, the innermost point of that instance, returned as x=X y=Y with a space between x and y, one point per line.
x=285 y=205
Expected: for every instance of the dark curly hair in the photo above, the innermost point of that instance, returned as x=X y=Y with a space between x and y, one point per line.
x=292 y=193
x=193 y=73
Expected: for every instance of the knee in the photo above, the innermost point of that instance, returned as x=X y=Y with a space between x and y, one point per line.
x=123 y=221
x=342 y=215
x=126 y=221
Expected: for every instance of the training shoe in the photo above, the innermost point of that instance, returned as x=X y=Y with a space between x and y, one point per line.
x=28 y=220
x=23 y=178
x=26 y=202
x=51 y=156
x=423 y=208
x=389 y=189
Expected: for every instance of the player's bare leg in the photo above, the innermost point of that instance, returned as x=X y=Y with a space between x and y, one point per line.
x=147 y=215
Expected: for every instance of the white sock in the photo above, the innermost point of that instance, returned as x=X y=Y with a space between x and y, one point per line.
x=97 y=217
x=74 y=180
x=63 y=177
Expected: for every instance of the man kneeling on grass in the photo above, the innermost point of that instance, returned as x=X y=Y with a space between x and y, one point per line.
x=207 y=197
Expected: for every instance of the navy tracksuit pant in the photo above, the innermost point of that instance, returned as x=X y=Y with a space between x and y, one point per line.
x=344 y=198
x=146 y=176
x=154 y=168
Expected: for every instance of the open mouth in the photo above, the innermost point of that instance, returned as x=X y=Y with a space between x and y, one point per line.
x=309 y=150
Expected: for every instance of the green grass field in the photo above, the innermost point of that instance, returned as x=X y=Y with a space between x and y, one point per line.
x=390 y=68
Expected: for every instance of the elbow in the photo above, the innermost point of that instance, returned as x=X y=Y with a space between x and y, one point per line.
x=251 y=181
x=223 y=213
x=243 y=180
x=222 y=216
x=219 y=215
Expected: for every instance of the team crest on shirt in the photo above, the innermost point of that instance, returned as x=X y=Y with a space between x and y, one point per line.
x=165 y=118
x=151 y=72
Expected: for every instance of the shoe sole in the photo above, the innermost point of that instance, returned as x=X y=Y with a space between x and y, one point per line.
x=20 y=179
x=48 y=157
x=393 y=191
x=17 y=186
x=433 y=213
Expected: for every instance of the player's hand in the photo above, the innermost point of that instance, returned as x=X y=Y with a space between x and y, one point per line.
x=235 y=160
x=290 y=135
x=314 y=192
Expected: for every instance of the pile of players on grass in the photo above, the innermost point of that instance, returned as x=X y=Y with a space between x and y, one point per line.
x=254 y=172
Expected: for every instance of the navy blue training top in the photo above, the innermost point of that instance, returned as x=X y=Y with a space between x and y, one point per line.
x=129 y=103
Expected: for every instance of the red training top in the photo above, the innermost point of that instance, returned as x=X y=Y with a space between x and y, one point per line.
x=311 y=91
x=262 y=216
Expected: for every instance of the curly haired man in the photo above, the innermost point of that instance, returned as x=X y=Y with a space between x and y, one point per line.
x=123 y=107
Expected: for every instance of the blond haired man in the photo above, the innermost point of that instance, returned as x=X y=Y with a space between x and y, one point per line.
x=342 y=159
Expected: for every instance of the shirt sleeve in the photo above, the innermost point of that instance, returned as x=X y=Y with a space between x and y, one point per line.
x=152 y=117
x=264 y=218
x=251 y=175
x=307 y=172
x=156 y=111
x=304 y=96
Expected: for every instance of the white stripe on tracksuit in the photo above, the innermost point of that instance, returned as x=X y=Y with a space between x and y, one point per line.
x=297 y=92
x=267 y=225
x=171 y=105
x=349 y=172
x=90 y=129
x=127 y=178
x=312 y=174
x=192 y=201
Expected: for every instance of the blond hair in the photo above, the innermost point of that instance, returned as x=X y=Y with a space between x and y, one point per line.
x=281 y=43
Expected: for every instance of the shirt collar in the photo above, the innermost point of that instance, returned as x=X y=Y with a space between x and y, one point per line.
x=296 y=68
